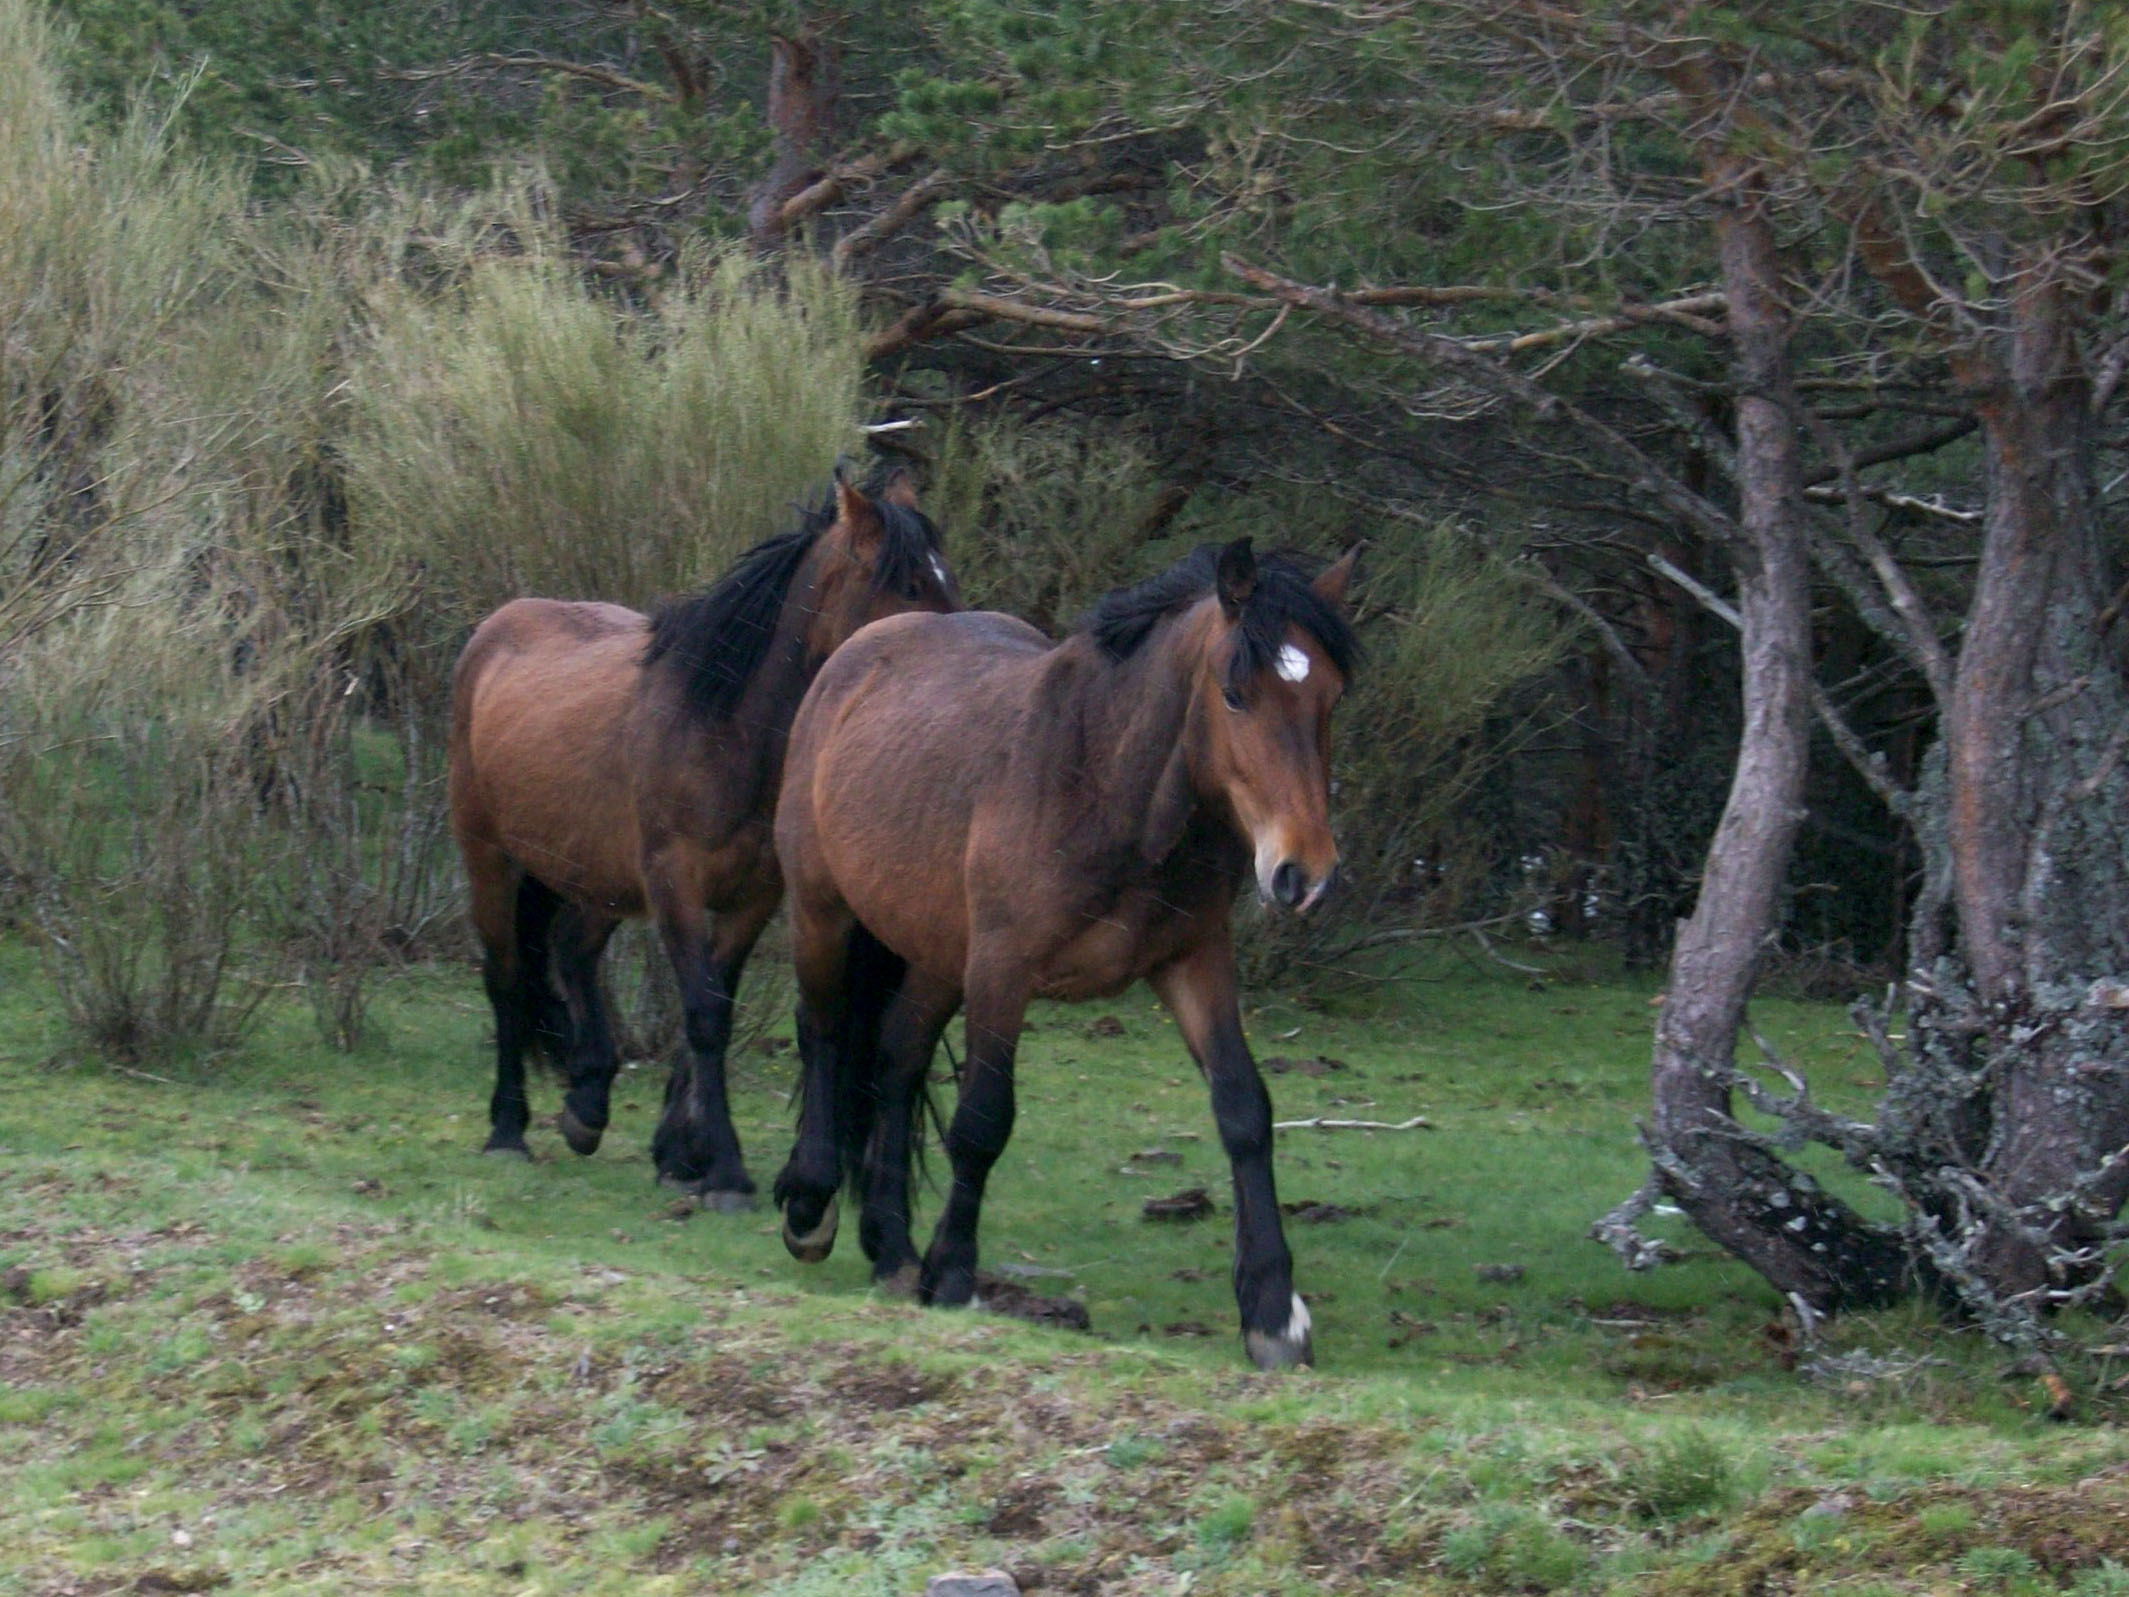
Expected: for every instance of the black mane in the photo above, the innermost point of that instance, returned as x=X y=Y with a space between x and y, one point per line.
x=1122 y=620
x=718 y=638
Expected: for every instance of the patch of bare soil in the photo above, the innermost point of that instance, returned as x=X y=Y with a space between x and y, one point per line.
x=1007 y=1297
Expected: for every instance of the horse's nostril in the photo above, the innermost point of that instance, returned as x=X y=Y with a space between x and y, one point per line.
x=1289 y=883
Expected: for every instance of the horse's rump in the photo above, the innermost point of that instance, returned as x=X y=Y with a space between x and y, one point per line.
x=540 y=713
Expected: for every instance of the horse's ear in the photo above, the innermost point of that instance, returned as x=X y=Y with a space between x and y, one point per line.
x=1331 y=583
x=900 y=488
x=854 y=511
x=1236 y=576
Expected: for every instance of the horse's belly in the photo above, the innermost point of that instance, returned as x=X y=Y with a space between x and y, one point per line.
x=1112 y=953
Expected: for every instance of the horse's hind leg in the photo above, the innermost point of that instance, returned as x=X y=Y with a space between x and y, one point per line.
x=695 y=1144
x=589 y=1058
x=909 y=1035
x=1199 y=990
x=806 y=1186
x=983 y=1121
x=497 y=886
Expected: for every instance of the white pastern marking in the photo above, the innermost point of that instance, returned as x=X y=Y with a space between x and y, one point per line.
x=1297 y=1323
x=1293 y=662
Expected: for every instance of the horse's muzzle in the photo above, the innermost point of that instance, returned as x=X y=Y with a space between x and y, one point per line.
x=1292 y=889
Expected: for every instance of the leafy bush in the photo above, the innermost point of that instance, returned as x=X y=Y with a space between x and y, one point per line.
x=126 y=789
x=261 y=468
x=1046 y=517
x=519 y=433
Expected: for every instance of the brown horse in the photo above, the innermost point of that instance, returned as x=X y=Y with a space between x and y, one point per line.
x=607 y=765
x=976 y=816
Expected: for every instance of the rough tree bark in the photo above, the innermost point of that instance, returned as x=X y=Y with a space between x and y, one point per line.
x=1812 y=1247
x=805 y=84
x=2021 y=1040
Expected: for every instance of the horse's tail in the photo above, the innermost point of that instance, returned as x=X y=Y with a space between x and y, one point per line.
x=873 y=974
x=545 y=1013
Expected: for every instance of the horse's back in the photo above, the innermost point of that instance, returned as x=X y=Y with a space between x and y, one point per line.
x=540 y=709
x=903 y=731
x=956 y=641
x=927 y=690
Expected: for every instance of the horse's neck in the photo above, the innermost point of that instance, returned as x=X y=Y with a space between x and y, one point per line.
x=761 y=722
x=1137 y=730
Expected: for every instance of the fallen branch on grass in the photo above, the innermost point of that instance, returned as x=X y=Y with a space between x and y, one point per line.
x=1324 y=1123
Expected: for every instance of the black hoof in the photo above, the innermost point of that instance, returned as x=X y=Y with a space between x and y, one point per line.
x=719 y=1200
x=1283 y=1349
x=815 y=1245
x=951 y=1288
x=899 y=1283
x=508 y=1150
x=580 y=1137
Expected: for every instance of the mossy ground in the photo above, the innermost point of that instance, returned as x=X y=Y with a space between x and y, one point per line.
x=273 y=1324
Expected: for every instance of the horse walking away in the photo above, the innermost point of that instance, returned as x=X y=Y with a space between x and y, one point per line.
x=974 y=817
x=605 y=764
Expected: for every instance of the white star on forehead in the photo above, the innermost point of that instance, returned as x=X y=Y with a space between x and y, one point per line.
x=1293 y=663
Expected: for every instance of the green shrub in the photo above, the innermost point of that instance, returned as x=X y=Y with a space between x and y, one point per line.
x=1044 y=518
x=1681 y=1476
x=517 y=432
x=1228 y=1526
x=1514 y=1549
x=2106 y=1579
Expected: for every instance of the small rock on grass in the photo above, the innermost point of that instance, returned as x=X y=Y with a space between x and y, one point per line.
x=1498 y=1272
x=961 y=1583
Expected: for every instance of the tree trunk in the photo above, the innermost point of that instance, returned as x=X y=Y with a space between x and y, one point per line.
x=1812 y=1247
x=2035 y=829
x=805 y=84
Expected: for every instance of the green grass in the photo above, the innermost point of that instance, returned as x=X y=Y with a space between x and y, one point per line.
x=278 y=1323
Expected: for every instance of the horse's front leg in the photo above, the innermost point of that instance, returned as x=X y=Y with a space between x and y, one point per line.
x=997 y=1003
x=695 y=1144
x=1199 y=990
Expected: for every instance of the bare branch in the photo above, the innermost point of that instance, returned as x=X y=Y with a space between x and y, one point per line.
x=608 y=77
x=1454 y=355
x=913 y=201
x=1870 y=766
x=1927 y=647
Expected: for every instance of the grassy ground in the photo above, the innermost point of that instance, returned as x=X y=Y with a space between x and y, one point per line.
x=278 y=1327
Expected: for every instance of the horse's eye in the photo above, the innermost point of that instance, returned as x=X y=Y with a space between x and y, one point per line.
x=1232 y=695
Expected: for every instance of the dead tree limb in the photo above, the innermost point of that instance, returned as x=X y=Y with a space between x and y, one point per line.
x=911 y=203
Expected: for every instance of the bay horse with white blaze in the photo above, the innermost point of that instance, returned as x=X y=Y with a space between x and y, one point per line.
x=605 y=764
x=975 y=816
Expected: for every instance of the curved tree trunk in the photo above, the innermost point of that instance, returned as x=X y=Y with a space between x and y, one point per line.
x=1808 y=1244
